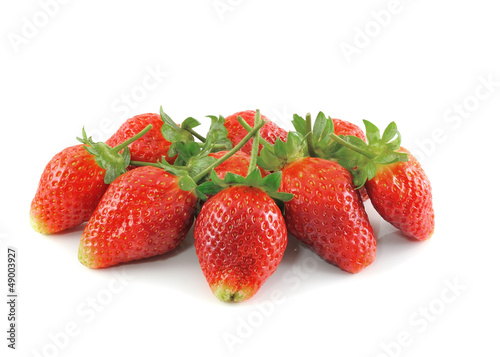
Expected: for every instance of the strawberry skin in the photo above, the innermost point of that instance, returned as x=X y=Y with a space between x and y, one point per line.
x=240 y=238
x=401 y=194
x=149 y=148
x=143 y=213
x=237 y=164
x=235 y=132
x=327 y=213
x=343 y=127
x=69 y=190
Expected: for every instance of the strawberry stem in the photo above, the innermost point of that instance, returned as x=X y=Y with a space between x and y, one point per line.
x=154 y=164
x=247 y=127
x=229 y=153
x=309 y=138
x=255 y=145
x=195 y=134
x=126 y=143
x=352 y=147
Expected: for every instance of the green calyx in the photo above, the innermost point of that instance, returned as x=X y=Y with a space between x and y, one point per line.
x=193 y=164
x=319 y=142
x=114 y=160
x=275 y=157
x=180 y=135
x=269 y=184
x=363 y=159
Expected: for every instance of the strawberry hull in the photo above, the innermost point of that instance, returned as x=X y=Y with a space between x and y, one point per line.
x=69 y=190
x=143 y=214
x=327 y=213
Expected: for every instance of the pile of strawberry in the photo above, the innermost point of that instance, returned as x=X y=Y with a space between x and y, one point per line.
x=246 y=184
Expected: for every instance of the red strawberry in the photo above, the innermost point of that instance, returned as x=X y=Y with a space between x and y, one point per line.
x=237 y=164
x=143 y=213
x=240 y=234
x=396 y=183
x=74 y=181
x=401 y=194
x=327 y=213
x=343 y=127
x=69 y=190
x=270 y=131
x=152 y=146
x=240 y=238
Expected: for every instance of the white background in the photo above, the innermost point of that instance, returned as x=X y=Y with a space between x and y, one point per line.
x=423 y=64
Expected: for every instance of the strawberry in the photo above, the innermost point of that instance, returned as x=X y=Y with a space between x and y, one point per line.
x=74 y=181
x=240 y=238
x=240 y=234
x=270 y=131
x=396 y=183
x=343 y=127
x=152 y=146
x=157 y=143
x=327 y=212
x=144 y=213
x=149 y=210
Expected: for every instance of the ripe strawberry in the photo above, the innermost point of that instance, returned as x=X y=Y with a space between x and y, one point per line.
x=70 y=188
x=396 y=183
x=152 y=146
x=401 y=194
x=343 y=127
x=270 y=131
x=143 y=213
x=327 y=213
x=240 y=234
x=240 y=238
x=74 y=181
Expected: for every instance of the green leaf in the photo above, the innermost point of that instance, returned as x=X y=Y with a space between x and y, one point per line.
x=216 y=138
x=216 y=180
x=186 y=183
x=389 y=132
x=370 y=169
x=279 y=148
x=319 y=126
x=190 y=123
x=197 y=164
x=396 y=143
x=299 y=124
x=171 y=134
x=232 y=178
x=208 y=188
x=254 y=178
x=168 y=121
x=281 y=196
x=372 y=132
x=272 y=181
